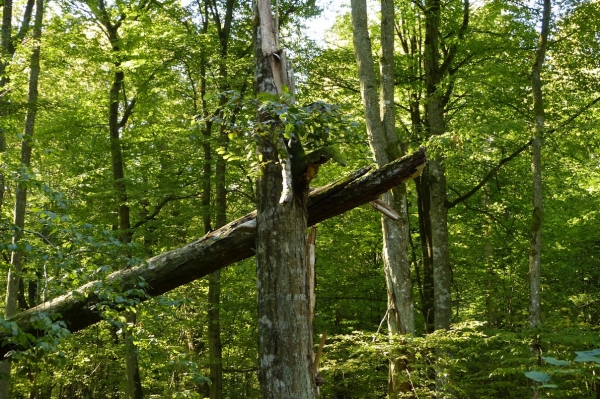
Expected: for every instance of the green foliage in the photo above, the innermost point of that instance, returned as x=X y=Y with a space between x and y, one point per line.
x=472 y=360
x=190 y=96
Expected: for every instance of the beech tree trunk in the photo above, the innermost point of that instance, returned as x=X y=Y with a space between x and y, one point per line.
x=436 y=176
x=381 y=129
x=438 y=66
x=535 y=252
x=379 y=116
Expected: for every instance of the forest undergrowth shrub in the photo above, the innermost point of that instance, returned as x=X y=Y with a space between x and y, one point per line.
x=472 y=361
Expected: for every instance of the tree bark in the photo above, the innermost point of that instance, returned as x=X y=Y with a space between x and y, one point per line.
x=118 y=116
x=16 y=267
x=215 y=345
x=285 y=356
x=132 y=368
x=14 y=273
x=379 y=117
x=535 y=252
x=219 y=248
x=436 y=69
x=423 y=206
x=381 y=129
x=7 y=51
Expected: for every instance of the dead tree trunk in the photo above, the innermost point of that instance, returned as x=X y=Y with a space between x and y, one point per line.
x=220 y=248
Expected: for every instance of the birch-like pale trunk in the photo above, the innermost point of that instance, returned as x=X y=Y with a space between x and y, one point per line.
x=395 y=232
x=285 y=353
x=535 y=252
x=383 y=139
x=381 y=130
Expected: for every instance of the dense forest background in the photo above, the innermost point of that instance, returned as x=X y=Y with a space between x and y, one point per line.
x=126 y=131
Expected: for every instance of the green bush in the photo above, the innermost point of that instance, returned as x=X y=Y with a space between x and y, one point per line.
x=469 y=361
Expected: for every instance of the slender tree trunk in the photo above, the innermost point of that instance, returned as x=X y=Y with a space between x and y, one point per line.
x=535 y=251
x=134 y=385
x=381 y=128
x=491 y=289
x=215 y=346
x=26 y=149
x=16 y=268
x=214 y=280
x=439 y=237
x=285 y=337
x=115 y=123
x=14 y=274
x=5 y=40
x=395 y=232
x=427 y=297
x=117 y=163
x=7 y=51
x=385 y=146
x=437 y=179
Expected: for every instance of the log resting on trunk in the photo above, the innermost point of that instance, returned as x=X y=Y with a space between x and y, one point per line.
x=220 y=248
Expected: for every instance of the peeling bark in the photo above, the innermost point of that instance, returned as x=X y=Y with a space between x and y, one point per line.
x=285 y=354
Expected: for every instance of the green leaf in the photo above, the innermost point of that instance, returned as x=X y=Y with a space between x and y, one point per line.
x=537 y=376
x=586 y=358
x=266 y=97
x=556 y=362
x=593 y=352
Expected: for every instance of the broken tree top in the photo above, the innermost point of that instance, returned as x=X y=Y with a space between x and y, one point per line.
x=222 y=247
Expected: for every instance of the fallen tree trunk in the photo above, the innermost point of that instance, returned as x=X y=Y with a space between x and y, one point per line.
x=217 y=249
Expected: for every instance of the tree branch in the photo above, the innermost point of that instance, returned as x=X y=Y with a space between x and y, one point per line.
x=487 y=177
x=217 y=249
